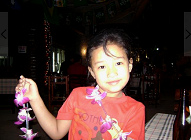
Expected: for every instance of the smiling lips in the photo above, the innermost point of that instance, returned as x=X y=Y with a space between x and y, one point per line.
x=113 y=82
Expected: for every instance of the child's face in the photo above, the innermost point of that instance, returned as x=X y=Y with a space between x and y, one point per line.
x=111 y=72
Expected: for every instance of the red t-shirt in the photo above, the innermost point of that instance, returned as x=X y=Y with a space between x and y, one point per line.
x=85 y=116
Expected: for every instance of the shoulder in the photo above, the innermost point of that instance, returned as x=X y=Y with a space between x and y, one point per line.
x=134 y=103
x=78 y=96
x=79 y=91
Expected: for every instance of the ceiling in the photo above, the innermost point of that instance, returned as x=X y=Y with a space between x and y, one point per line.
x=109 y=12
x=97 y=11
x=148 y=20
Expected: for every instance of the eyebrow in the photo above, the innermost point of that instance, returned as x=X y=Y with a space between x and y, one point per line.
x=116 y=58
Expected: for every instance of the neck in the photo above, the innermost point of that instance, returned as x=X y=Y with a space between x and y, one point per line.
x=116 y=95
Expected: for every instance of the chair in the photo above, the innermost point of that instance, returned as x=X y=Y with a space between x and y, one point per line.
x=58 y=90
x=77 y=80
x=151 y=88
x=135 y=88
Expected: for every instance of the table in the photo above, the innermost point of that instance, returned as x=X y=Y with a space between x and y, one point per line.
x=160 y=127
x=7 y=93
x=7 y=86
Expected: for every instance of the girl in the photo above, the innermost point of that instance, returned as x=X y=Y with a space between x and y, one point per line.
x=102 y=111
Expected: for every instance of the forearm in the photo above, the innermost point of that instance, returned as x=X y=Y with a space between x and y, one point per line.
x=47 y=121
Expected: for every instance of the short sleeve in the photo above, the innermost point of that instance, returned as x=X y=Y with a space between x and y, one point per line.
x=66 y=110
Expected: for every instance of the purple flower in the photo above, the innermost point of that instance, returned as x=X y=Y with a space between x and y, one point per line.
x=22 y=115
x=92 y=90
x=123 y=136
x=107 y=124
x=20 y=99
x=95 y=95
x=28 y=134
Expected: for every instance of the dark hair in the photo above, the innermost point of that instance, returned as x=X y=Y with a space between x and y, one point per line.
x=102 y=39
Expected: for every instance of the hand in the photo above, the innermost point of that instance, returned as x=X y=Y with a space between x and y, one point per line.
x=30 y=85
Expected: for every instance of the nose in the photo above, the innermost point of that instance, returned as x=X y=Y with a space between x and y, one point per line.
x=112 y=72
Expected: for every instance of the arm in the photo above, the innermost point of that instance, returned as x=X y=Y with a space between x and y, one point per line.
x=56 y=129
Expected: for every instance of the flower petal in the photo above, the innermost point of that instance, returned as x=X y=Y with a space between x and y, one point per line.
x=16 y=102
x=23 y=129
x=90 y=97
x=32 y=136
x=95 y=95
x=20 y=99
x=18 y=122
x=103 y=95
x=123 y=136
x=24 y=90
x=30 y=119
x=89 y=91
x=99 y=102
x=93 y=102
x=23 y=136
x=22 y=117
x=25 y=100
x=105 y=126
x=16 y=94
x=28 y=134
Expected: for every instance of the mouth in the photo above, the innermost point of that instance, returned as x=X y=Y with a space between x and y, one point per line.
x=113 y=82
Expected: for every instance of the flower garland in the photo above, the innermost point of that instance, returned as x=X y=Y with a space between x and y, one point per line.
x=24 y=115
x=109 y=123
x=94 y=94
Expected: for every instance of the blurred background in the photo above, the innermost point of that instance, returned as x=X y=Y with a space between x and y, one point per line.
x=44 y=33
x=40 y=35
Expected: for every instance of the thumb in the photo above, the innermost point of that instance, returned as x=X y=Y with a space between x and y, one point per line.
x=30 y=81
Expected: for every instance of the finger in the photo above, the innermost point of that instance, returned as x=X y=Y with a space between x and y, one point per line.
x=22 y=81
x=29 y=81
x=21 y=77
x=17 y=89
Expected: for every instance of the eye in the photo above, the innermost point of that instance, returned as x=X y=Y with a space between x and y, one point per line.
x=101 y=67
x=119 y=63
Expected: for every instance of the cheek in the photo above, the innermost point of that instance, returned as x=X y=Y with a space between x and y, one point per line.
x=124 y=73
x=100 y=76
x=123 y=70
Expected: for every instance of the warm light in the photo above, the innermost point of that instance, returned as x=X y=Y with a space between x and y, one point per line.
x=138 y=58
x=83 y=51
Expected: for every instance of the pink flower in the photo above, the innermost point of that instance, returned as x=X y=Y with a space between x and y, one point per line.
x=92 y=91
x=95 y=95
x=107 y=124
x=23 y=115
x=123 y=136
x=20 y=99
x=28 y=134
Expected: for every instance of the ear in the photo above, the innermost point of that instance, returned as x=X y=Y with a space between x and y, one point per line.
x=91 y=71
x=130 y=64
